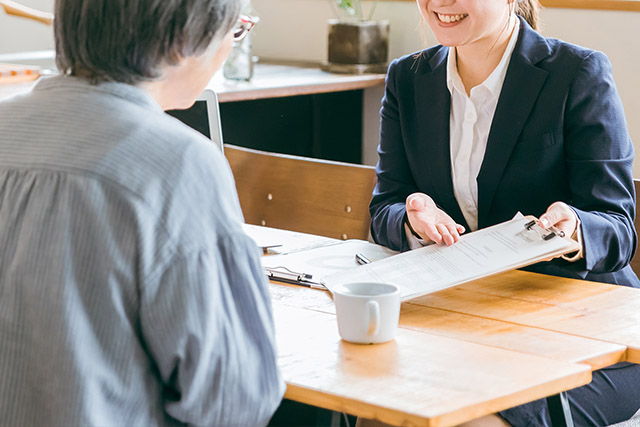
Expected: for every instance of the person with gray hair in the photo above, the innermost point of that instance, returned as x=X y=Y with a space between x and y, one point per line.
x=129 y=294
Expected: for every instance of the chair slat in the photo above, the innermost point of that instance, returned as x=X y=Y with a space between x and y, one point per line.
x=303 y=194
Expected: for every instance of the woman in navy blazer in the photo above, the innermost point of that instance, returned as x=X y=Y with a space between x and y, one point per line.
x=558 y=148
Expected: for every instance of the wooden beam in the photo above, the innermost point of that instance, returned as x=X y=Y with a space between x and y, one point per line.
x=629 y=5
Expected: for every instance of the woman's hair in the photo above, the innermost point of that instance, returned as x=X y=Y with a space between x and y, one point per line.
x=129 y=41
x=528 y=9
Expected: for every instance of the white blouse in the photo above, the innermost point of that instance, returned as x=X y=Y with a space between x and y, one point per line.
x=469 y=125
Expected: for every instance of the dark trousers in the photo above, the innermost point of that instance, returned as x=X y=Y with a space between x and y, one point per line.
x=612 y=396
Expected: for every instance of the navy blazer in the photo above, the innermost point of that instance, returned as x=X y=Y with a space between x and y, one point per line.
x=558 y=133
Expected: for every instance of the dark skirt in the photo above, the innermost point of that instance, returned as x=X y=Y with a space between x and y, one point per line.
x=612 y=396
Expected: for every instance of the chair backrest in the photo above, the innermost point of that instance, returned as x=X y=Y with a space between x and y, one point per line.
x=635 y=261
x=302 y=194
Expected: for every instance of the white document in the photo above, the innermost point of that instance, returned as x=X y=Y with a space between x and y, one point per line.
x=488 y=251
x=325 y=260
x=279 y=241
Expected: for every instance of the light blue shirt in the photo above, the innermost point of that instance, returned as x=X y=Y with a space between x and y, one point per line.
x=129 y=294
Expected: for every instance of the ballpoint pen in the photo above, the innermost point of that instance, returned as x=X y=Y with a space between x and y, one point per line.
x=265 y=248
x=283 y=274
x=362 y=260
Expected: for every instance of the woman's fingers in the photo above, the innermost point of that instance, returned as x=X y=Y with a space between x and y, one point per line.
x=432 y=232
x=447 y=238
x=561 y=216
x=453 y=231
x=430 y=222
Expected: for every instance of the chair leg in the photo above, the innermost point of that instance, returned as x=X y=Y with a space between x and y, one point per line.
x=559 y=410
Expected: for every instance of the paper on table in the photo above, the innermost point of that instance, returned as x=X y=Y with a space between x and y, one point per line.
x=502 y=247
x=325 y=260
x=284 y=241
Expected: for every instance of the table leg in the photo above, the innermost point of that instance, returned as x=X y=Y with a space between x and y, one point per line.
x=335 y=418
x=559 y=410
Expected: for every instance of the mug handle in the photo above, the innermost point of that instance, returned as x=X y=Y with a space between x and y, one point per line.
x=373 y=312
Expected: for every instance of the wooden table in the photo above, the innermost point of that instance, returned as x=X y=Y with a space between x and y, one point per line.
x=460 y=353
x=579 y=308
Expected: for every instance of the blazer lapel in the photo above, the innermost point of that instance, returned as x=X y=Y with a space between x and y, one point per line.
x=433 y=105
x=520 y=90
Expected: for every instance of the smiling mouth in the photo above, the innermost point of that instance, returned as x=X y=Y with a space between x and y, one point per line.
x=450 y=18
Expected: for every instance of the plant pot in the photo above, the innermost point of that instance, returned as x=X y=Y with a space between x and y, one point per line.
x=358 y=46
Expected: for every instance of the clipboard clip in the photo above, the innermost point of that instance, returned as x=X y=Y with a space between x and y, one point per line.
x=546 y=234
x=283 y=274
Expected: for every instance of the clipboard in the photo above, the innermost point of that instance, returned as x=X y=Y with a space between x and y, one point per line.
x=507 y=246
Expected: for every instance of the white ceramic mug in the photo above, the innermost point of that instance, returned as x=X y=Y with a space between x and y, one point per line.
x=367 y=312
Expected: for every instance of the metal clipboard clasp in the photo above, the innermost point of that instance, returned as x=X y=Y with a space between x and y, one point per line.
x=546 y=234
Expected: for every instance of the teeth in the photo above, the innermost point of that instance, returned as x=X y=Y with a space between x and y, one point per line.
x=450 y=18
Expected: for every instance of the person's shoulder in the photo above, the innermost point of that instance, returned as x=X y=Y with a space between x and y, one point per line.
x=183 y=177
x=161 y=161
x=572 y=64
x=566 y=50
x=562 y=60
x=565 y=56
x=158 y=145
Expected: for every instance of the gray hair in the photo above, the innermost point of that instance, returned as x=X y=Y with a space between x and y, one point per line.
x=129 y=41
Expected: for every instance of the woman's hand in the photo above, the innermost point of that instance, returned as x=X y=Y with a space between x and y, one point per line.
x=431 y=222
x=560 y=215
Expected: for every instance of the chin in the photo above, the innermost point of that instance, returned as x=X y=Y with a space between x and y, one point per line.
x=445 y=39
x=450 y=38
x=448 y=42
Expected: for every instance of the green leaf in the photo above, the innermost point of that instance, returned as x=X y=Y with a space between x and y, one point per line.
x=347 y=5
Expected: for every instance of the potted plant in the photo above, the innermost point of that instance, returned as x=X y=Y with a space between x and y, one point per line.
x=357 y=44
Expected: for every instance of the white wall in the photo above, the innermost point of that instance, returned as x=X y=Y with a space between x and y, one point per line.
x=19 y=34
x=297 y=29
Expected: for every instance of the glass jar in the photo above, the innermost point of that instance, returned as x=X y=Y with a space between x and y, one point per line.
x=239 y=65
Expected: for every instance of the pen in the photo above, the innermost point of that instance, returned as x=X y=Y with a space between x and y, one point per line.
x=362 y=260
x=265 y=248
x=293 y=278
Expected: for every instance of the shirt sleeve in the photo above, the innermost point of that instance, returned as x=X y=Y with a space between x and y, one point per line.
x=414 y=242
x=577 y=236
x=207 y=324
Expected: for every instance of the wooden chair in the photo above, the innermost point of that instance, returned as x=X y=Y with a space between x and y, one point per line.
x=302 y=194
x=635 y=261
